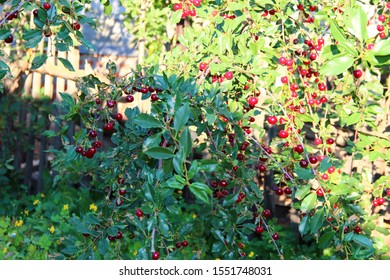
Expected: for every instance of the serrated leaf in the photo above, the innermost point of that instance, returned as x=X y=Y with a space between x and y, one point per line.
x=66 y=63
x=316 y=221
x=337 y=65
x=38 y=61
x=160 y=153
x=200 y=191
x=308 y=202
x=182 y=116
x=362 y=240
x=146 y=121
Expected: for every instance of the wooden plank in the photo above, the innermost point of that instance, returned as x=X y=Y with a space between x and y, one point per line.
x=49 y=86
x=37 y=77
x=74 y=58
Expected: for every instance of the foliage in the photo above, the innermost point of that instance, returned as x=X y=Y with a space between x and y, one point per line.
x=184 y=170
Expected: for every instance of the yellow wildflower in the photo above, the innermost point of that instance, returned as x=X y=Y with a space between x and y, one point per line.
x=18 y=223
x=5 y=250
x=36 y=201
x=52 y=229
x=135 y=253
x=66 y=207
x=58 y=242
x=42 y=195
x=26 y=212
x=217 y=259
x=93 y=207
x=251 y=254
x=194 y=216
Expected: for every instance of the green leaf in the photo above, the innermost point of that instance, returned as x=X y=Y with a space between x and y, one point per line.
x=186 y=141
x=336 y=31
x=357 y=23
x=181 y=117
x=325 y=164
x=382 y=48
x=304 y=225
x=337 y=65
x=69 y=250
x=341 y=189
x=67 y=98
x=200 y=191
x=66 y=63
x=176 y=16
x=362 y=240
x=325 y=238
x=4 y=33
x=316 y=221
x=207 y=165
x=159 y=153
x=352 y=119
x=163 y=224
x=38 y=61
x=304 y=173
x=309 y=202
x=103 y=246
x=174 y=183
x=146 y=121
x=302 y=191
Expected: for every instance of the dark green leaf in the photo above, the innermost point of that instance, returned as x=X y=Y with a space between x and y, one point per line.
x=186 y=141
x=66 y=63
x=38 y=61
x=146 y=121
x=325 y=164
x=182 y=116
x=103 y=246
x=316 y=221
x=304 y=173
x=159 y=153
x=304 y=226
x=362 y=240
x=4 y=33
x=325 y=238
x=201 y=191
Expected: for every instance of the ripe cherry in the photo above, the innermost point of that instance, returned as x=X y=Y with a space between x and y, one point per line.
x=92 y=133
x=299 y=149
x=303 y=163
x=155 y=255
x=108 y=127
x=262 y=168
x=119 y=117
x=139 y=213
x=129 y=98
x=228 y=75
x=313 y=159
x=282 y=60
x=357 y=229
x=122 y=191
x=284 y=79
x=111 y=238
x=178 y=245
x=330 y=141
x=223 y=183
x=119 y=235
x=381 y=200
x=320 y=192
x=76 y=26
x=252 y=101
x=279 y=191
x=283 y=134
x=275 y=236
x=357 y=73
x=272 y=120
x=9 y=39
x=184 y=243
x=259 y=229
x=382 y=18
x=331 y=169
x=79 y=149
x=119 y=201
x=46 y=6
x=288 y=190
x=325 y=176
x=97 y=144
x=154 y=97
x=267 y=213
x=202 y=66
x=177 y=6
x=318 y=141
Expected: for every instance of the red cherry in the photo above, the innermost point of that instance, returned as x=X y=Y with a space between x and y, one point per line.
x=346 y=230
x=262 y=168
x=282 y=60
x=279 y=191
x=388 y=192
x=178 y=245
x=288 y=190
x=129 y=98
x=108 y=127
x=119 y=117
x=325 y=176
x=357 y=229
x=283 y=134
x=252 y=101
x=382 y=18
x=79 y=149
x=92 y=133
x=380 y=27
x=299 y=149
x=120 y=181
x=320 y=192
x=184 y=243
x=303 y=163
x=223 y=183
x=331 y=169
x=119 y=235
x=122 y=191
x=86 y=234
x=119 y=201
x=98 y=101
x=90 y=152
x=267 y=213
x=381 y=200
x=139 y=213
x=357 y=73
x=76 y=26
x=313 y=159
x=318 y=141
x=154 y=97
x=228 y=75
x=284 y=79
x=202 y=66
x=272 y=120
x=9 y=39
x=259 y=229
x=382 y=35
x=321 y=86
x=111 y=238
x=275 y=236
x=97 y=144
x=177 y=6
x=46 y=6
x=313 y=56
x=155 y=255
x=330 y=141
